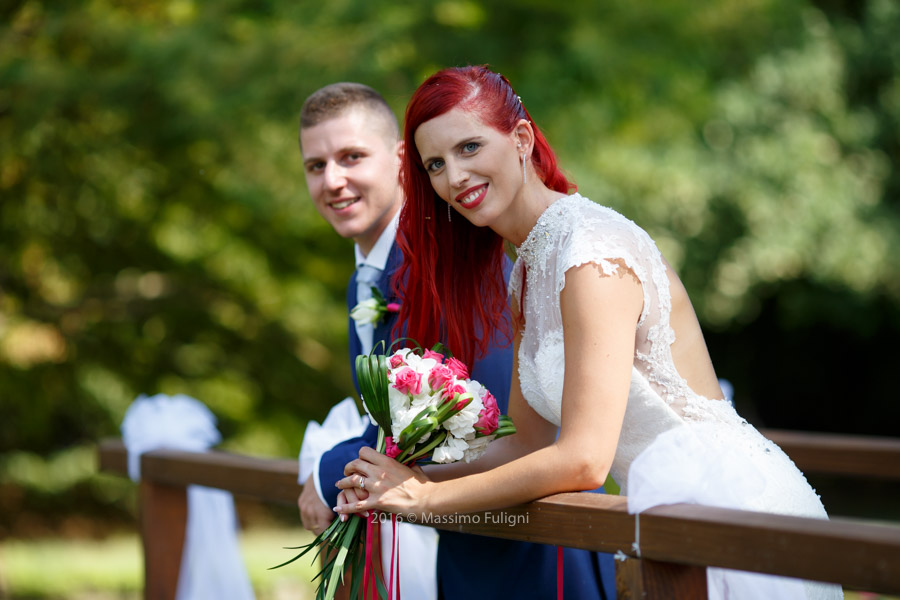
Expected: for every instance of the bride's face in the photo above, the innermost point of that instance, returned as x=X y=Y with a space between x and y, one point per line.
x=471 y=165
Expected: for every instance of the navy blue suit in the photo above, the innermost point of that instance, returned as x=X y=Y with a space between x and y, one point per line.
x=472 y=566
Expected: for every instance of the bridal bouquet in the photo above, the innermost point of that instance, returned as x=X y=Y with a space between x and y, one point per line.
x=435 y=410
x=427 y=410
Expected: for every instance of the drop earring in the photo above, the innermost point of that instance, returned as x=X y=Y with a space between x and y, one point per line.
x=449 y=217
x=524 y=173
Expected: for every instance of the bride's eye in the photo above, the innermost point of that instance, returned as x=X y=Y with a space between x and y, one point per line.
x=434 y=166
x=470 y=147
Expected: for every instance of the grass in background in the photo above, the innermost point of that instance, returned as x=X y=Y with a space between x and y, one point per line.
x=80 y=569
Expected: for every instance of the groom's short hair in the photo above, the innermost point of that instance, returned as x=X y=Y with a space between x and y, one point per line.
x=336 y=99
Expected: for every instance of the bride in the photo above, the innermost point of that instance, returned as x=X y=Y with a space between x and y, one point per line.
x=609 y=354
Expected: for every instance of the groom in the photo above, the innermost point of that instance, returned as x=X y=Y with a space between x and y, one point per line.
x=351 y=149
x=351 y=156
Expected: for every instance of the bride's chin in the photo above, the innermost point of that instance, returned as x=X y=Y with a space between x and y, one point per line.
x=478 y=218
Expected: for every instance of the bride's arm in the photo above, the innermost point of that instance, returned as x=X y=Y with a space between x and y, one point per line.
x=599 y=316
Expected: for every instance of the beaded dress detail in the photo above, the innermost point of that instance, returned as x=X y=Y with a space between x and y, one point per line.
x=675 y=445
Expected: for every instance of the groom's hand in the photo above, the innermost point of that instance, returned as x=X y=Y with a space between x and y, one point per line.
x=314 y=514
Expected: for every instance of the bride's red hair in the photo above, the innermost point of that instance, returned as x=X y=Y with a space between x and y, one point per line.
x=451 y=279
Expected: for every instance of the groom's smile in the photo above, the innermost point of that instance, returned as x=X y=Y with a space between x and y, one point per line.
x=344 y=203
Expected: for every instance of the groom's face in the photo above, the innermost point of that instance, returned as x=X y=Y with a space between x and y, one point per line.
x=352 y=164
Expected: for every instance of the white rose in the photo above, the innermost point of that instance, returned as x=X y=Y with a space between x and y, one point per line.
x=420 y=365
x=451 y=450
x=477 y=447
x=399 y=402
x=463 y=423
x=400 y=419
x=475 y=388
x=402 y=353
x=424 y=399
x=366 y=311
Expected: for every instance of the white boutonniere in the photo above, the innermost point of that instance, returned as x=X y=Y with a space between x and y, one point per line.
x=371 y=311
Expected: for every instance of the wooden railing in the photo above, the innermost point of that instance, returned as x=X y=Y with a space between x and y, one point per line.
x=677 y=542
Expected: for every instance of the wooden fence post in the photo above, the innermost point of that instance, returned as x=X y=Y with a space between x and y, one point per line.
x=644 y=579
x=163 y=514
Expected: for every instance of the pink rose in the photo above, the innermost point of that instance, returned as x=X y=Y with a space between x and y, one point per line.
x=458 y=368
x=392 y=307
x=434 y=355
x=451 y=390
x=397 y=361
x=408 y=381
x=440 y=376
x=489 y=415
x=390 y=448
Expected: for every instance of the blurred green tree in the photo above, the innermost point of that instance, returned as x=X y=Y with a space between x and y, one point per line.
x=156 y=235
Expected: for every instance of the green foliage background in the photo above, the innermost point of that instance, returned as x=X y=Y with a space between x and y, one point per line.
x=156 y=235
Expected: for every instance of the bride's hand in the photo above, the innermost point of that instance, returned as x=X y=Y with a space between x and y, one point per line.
x=351 y=496
x=390 y=486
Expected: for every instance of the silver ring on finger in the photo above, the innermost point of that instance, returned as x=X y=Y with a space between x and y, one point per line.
x=362 y=482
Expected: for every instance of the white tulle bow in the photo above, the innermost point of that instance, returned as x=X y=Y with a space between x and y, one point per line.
x=691 y=464
x=342 y=423
x=211 y=563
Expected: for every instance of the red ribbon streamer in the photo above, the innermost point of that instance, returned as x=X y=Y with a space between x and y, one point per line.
x=367 y=570
x=559 y=572
x=395 y=554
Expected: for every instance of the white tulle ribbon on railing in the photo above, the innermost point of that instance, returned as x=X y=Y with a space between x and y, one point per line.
x=342 y=423
x=692 y=465
x=211 y=563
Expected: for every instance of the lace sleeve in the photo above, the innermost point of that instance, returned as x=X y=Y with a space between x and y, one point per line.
x=606 y=238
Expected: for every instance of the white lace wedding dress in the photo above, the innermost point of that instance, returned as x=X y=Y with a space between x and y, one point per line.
x=675 y=445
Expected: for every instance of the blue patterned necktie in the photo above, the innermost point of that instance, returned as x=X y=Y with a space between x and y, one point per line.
x=366 y=277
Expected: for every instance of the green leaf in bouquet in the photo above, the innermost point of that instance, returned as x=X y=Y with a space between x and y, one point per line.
x=358 y=566
x=442 y=349
x=398 y=341
x=451 y=407
x=371 y=373
x=505 y=427
x=316 y=544
x=425 y=450
x=347 y=540
x=423 y=424
x=357 y=570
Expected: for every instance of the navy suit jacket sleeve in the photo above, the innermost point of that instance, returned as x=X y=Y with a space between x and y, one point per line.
x=331 y=465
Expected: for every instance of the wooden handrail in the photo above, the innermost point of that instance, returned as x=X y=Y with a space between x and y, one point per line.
x=271 y=480
x=840 y=454
x=858 y=555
